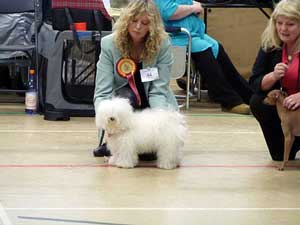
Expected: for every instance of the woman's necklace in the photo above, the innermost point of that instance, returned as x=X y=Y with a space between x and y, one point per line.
x=136 y=53
x=290 y=54
x=136 y=57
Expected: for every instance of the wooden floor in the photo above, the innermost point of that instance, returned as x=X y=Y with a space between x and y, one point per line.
x=48 y=176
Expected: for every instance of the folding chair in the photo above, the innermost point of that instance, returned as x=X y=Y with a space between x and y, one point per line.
x=183 y=66
x=26 y=50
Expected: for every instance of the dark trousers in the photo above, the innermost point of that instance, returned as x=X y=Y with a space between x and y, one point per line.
x=224 y=83
x=270 y=124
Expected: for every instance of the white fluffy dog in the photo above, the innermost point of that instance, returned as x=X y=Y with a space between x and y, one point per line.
x=131 y=133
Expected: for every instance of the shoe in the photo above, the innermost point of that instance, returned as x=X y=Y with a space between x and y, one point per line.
x=239 y=109
x=148 y=157
x=181 y=82
x=101 y=151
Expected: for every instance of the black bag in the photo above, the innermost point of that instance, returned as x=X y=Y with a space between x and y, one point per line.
x=64 y=16
x=79 y=71
x=62 y=19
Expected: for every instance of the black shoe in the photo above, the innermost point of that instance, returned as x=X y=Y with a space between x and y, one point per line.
x=148 y=157
x=101 y=151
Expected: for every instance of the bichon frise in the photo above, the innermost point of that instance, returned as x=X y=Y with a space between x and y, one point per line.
x=131 y=133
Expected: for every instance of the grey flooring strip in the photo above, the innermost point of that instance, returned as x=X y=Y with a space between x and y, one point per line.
x=65 y=220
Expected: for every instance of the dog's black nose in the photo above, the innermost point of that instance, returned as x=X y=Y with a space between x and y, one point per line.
x=111 y=118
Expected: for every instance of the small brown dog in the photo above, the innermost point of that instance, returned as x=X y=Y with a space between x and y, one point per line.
x=290 y=122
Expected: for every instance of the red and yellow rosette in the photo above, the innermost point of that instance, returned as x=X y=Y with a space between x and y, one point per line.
x=126 y=68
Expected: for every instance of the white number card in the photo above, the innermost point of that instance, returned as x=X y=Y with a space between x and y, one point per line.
x=149 y=74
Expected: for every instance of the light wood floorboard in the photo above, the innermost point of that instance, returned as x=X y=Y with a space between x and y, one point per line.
x=49 y=176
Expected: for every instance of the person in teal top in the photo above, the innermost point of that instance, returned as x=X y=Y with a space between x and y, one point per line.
x=225 y=84
x=196 y=27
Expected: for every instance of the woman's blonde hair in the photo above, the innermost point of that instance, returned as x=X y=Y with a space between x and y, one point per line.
x=287 y=8
x=156 y=29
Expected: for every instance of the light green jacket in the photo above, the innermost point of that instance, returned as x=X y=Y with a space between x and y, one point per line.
x=108 y=80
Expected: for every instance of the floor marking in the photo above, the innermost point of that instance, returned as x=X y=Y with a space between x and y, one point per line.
x=48 y=131
x=186 y=114
x=157 y=209
x=139 y=166
x=11 y=113
x=3 y=216
x=95 y=131
x=224 y=132
x=67 y=220
x=218 y=115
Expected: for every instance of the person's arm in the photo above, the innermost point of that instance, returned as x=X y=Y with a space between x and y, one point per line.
x=159 y=89
x=105 y=68
x=271 y=78
x=185 y=10
x=170 y=10
x=263 y=77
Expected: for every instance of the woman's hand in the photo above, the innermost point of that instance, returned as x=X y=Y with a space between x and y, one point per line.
x=186 y=10
x=197 y=7
x=292 y=102
x=271 y=78
x=279 y=71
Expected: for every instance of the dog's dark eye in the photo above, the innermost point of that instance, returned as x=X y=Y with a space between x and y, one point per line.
x=111 y=118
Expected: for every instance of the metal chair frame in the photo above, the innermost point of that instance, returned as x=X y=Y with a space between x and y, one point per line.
x=30 y=50
x=183 y=64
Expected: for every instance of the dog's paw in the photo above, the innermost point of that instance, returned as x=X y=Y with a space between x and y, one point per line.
x=167 y=166
x=106 y=159
x=281 y=167
x=125 y=165
x=116 y=161
x=111 y=160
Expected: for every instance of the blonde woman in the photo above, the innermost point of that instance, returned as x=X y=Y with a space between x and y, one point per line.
x=278 y=66
x=135 y=61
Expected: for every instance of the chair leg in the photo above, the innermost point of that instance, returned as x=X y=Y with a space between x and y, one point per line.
x=199 y=87
x=196 y=82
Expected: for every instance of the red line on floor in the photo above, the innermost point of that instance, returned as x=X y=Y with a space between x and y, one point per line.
x=140 y=165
